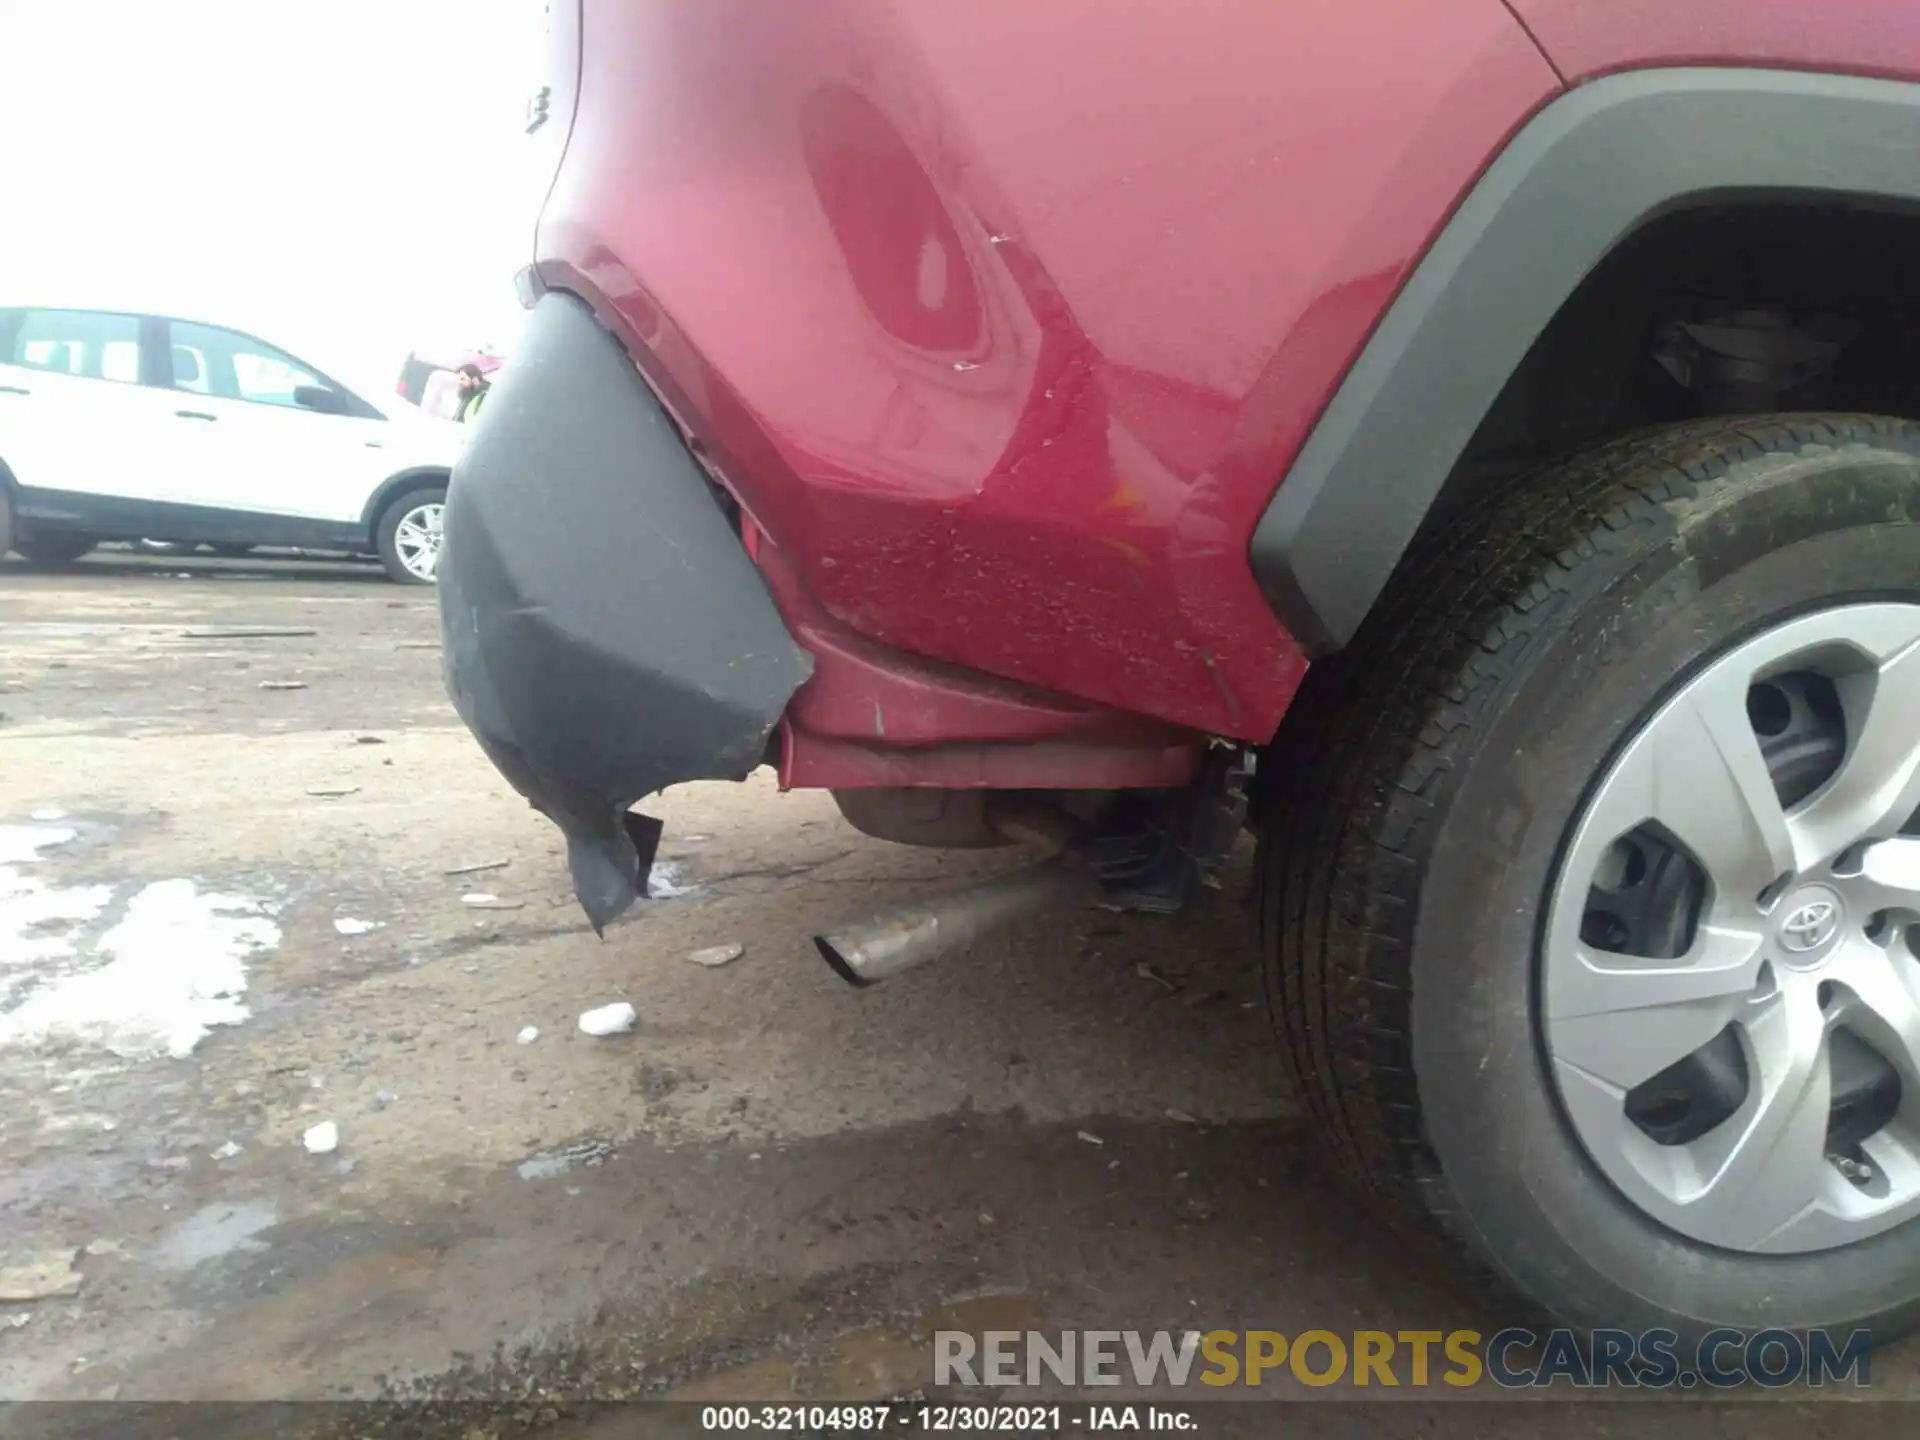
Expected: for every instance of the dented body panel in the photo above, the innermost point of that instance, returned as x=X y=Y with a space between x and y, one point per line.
x=1003 y=321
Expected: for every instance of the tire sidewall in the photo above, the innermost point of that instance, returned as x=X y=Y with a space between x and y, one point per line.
x=1778 y=535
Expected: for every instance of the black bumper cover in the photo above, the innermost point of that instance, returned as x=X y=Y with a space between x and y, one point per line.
x=605 y=633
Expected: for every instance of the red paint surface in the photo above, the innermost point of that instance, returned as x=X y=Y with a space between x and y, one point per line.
x=1004 y=319
x=872 y=715
x=1862 y=37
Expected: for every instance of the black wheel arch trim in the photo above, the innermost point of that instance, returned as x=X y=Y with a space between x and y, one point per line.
x=394 y=486
x=1587 y=171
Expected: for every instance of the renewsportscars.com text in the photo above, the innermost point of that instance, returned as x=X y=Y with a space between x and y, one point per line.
x=1513 y=1358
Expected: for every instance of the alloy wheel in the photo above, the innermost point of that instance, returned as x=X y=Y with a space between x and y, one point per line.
x=416 y=539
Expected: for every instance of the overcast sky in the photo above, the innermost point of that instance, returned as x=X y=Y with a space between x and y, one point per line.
x=345 y=176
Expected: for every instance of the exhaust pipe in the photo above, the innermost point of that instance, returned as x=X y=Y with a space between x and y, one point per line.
x=895 y=940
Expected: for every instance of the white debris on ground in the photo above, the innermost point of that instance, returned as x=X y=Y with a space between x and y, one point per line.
x=321 y=1139
x=1089 y=1137
x=715 y=955
x=49 y=814
x=615 y=1019
x=44 y=1277
x=528 y=1034
x=666 y=881
x=483 y=901
x=350 y=926
x=153 y=985
x=550 y=1163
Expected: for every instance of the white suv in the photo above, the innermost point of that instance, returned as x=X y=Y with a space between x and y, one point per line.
x=117 y=426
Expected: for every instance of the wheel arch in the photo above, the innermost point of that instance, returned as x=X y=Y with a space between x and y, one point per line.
x=396 y=485
x=1582 y=177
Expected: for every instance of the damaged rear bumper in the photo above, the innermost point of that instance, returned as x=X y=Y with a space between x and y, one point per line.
x=605 y=633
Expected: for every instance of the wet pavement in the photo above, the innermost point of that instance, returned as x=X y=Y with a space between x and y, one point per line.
x=773 y=1188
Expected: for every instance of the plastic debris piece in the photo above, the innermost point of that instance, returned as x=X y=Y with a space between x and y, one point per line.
x=484 y=901
x=528 y=1034
x=1165 y=982
x=550 y=1163
x=45 y=1277
x=227 y=1151
x=717 y=955
x=1089 y=1137
x=350 y=926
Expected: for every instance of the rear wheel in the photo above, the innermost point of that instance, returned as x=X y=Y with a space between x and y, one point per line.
x=56 y=549
x=408 y=535
x=1591 y=892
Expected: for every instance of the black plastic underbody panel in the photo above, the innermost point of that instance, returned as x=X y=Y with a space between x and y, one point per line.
x=1583 y=174
x=606 y=634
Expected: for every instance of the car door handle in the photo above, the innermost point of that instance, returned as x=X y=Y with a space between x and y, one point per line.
x=195 y=415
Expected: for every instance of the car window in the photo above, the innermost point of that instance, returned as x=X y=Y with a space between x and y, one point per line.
x=211 y=361
x=76 y=342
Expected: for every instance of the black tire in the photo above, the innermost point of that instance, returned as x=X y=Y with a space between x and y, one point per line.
x=53 y=549
x=383 y=534
x=1420 y=791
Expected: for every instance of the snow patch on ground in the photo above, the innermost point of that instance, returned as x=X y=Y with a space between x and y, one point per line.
x=152 y=985
x=35 y=917
x=21 y=844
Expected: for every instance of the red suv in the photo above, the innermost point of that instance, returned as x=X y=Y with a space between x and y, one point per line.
x=1470 y=444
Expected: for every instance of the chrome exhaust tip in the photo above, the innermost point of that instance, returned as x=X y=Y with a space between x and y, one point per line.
x=869 y=951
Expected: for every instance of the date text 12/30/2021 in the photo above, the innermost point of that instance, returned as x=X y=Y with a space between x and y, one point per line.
x=962 y=1419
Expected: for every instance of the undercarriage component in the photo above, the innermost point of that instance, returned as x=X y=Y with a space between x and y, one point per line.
x=1153 y=854
x=946 y=819
x=1745 y=362
x=1148 y=852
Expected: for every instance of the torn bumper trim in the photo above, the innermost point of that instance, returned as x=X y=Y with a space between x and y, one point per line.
x=605 y=633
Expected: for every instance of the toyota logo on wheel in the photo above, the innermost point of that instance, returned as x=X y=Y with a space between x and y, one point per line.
x=1809 y=927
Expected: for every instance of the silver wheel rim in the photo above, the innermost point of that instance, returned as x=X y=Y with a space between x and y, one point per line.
x=1796 y=962
x=416 y=539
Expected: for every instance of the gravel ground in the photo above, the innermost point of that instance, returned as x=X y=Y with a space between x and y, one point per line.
x=773 y=1187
